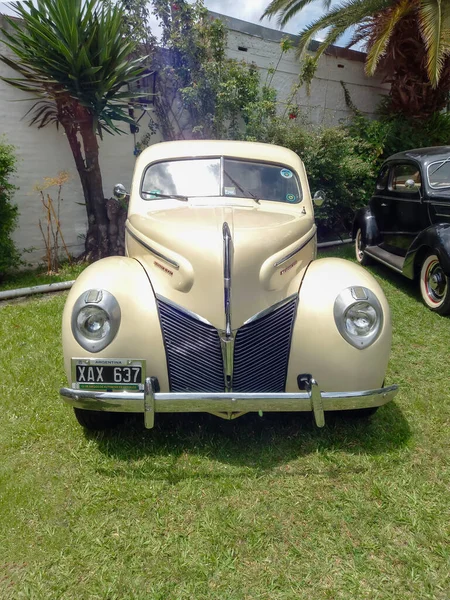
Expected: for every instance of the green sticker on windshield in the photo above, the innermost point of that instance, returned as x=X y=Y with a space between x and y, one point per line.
x=154 y=193
x=286 y=173
x=291 y=197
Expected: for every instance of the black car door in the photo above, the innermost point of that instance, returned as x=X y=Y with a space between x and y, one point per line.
x=380 y=202
x=407 y=212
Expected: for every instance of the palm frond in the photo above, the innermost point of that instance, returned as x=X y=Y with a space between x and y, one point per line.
x=434 y=16
x=286 y=9
x=385 y=29
x=71 y=47
x=341 y=18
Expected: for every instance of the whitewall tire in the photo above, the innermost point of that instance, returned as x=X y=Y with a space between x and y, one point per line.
x=435 y=285
x=361 y=256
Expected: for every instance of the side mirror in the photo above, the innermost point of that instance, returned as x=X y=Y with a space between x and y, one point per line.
x=319 y=197
x=120 y=192
x=410 y=184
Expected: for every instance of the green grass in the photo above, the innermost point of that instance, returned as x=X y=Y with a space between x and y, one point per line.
x=38 y=276
x=199 y=508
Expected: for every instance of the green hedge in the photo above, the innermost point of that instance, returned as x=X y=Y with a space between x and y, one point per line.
x=9 y=255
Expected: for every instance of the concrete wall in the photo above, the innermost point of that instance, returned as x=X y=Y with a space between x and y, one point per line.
x=325 y=104
x=45 y=152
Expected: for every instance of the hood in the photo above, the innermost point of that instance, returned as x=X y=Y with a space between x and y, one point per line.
x=182 y=248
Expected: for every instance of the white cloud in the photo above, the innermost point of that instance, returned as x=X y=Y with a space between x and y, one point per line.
x=252 y=11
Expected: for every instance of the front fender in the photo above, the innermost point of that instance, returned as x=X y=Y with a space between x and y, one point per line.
x=365 y=220
x=437 y=238
x=139 y=334
x=317 y=346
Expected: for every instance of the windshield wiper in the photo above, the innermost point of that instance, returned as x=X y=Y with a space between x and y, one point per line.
x=176 y=196
x=241 y=189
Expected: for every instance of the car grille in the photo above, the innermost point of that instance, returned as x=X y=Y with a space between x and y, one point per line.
x=194 y=356
x=261 y=351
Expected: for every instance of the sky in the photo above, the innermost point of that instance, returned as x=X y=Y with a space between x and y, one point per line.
x=251 y=10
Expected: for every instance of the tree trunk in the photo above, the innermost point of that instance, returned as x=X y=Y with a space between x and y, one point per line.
x=405 y=67
x=97 y=242
x=76 y=119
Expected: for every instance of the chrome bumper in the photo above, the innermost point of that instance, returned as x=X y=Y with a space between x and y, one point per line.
x=228 y=405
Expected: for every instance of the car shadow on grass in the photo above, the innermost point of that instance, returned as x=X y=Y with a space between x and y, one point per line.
x=259 y=443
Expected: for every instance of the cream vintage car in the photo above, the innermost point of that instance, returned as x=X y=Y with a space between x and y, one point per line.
x=219 y=305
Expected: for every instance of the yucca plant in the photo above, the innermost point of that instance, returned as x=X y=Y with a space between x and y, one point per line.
x=72 y=57
x=408 y=40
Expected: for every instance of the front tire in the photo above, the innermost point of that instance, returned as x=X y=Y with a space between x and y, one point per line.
x=361 y=256
x=435 y=285
x=96 y=420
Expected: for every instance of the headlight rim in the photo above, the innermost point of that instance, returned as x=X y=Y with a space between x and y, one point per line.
x=97 y=298
x=348 y=298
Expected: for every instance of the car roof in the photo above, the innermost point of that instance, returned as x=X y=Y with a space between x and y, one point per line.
x=205 y=148
x=423 y=155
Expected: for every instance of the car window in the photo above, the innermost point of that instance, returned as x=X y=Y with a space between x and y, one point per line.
x=261 y=181
x=382 y=178
x=196 y=177
x=202 y=177
x=401 y=174
x=439 y=174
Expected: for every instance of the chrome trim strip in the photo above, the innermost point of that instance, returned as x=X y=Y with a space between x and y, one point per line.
x=227 y=347
x=384 y=262
x=227 y=337
x=174 y=264
x=227 y=277
x=269 y=310
x=314 y=401
x=294 y=252
x=182 y=309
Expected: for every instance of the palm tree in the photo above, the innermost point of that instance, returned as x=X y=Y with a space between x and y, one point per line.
x=408 y=40
x=70 y=54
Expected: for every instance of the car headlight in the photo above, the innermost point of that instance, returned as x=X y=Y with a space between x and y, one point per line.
x=358 y=316
x=95 y=319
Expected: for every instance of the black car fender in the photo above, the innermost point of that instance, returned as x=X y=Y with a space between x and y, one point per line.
x=435 y=238
x=365 y=220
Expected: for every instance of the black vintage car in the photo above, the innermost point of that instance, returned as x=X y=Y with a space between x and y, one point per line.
x=406 y=225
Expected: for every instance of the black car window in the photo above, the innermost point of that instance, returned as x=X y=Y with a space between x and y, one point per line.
x=401 y=173
x=439 y=174
x=382 y=178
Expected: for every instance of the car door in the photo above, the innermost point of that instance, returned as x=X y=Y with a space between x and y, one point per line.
x=380 y=202
x=438 y=200
x=406 y=208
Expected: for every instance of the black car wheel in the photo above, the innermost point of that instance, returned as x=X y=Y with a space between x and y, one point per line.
x=361 y=256
x=435 y=285
x=95 y=420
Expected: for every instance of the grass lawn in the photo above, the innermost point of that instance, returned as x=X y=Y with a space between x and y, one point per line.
x=199 y=508
x=31 y=278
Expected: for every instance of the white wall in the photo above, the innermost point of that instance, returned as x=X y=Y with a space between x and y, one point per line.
x=325 y=104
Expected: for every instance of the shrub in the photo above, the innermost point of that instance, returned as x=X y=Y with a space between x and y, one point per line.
x=9 y=256
x=392 y=133
x=337 y=162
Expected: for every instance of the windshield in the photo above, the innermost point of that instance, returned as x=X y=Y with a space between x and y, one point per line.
x=439 y=174
x=202 y=177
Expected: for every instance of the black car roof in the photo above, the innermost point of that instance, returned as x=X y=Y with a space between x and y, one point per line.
x=423 y=155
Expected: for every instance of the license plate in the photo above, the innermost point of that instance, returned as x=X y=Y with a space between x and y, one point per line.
x=108 y=374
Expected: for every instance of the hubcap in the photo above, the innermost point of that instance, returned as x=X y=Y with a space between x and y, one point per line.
x=435 y=281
